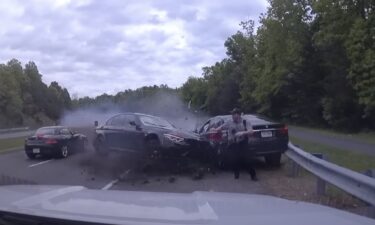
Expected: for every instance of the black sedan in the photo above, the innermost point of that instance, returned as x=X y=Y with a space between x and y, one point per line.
x=269 y=139
x=143 y=134
x=56 y=141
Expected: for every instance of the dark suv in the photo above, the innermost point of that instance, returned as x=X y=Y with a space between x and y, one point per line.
x=269 y=139
x=144 y=134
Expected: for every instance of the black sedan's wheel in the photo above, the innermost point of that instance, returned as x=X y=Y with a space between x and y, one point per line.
x=273 y=159
x=63 y=152
x=30 y=155
x=153 y=148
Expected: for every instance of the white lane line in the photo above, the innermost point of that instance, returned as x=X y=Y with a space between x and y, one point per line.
x=40 y=163
x=108 y=186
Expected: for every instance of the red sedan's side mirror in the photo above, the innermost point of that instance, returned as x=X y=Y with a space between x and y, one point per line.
x=96 y=123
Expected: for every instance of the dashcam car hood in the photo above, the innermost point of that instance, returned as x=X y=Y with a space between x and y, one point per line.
x=76 y=203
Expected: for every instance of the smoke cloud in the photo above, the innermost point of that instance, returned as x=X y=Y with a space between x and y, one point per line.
x=166 y=105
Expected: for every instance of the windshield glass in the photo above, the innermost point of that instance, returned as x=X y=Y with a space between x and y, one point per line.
x=155 y=121
x=46 y=131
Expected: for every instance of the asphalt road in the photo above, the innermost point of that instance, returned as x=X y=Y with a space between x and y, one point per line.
x=123 y=172
x=337 y=142
x=16 y=134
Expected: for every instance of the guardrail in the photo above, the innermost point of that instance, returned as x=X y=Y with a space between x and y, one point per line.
x=356 y=184
x=8 y=130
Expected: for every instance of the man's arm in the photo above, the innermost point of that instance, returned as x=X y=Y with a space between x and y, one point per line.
x=224 y=126
x=248 y=131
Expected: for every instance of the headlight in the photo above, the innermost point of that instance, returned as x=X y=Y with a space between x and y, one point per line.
x=175 y=139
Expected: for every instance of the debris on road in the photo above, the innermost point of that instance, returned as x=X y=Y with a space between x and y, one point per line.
x=199 y=174
x=146 y=181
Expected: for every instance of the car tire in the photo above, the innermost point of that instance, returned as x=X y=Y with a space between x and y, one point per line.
x=153 y=148
x=101 y=147
x=273 y=159
x=63 y=152
x=30 y=155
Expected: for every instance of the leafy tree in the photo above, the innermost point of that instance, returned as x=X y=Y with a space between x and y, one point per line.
x=360 y=48
x=25 y=99
x=194 y=91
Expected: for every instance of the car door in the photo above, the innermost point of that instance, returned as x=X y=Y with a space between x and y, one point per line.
x=203 y=130
x=113 y=132
x=67 y=137
x=132 y=135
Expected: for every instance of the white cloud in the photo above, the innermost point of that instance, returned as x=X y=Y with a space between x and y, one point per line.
x=93 y=47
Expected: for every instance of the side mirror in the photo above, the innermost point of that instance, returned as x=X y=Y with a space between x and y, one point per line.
x=132 y=123
x=96 y=123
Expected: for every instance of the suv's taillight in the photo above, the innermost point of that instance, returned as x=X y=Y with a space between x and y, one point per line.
x=284 y=130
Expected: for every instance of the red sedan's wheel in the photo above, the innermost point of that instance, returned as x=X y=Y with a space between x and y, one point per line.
x=64 y=152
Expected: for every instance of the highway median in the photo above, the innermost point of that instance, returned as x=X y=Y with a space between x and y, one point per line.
x=11 y=144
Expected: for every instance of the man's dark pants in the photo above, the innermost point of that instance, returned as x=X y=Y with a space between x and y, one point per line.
x=241 y=158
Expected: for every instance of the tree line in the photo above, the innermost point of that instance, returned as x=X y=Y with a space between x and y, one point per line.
x=25 y=100
x=310 y=62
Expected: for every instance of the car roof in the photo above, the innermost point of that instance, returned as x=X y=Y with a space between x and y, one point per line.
x=134 y=113
x=253 y=119
x=53 y=127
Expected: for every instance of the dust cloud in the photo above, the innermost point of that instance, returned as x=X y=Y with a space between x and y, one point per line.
x=166 y=105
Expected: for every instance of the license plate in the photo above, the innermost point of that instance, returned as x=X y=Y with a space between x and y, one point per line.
x=265 y=134
x=36 y=150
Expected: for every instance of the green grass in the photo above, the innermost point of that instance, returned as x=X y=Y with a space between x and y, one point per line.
x=368 y=137
x=348 y=159
x=10 y=143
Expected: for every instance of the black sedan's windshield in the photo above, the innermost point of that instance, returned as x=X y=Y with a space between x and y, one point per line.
x=155 y=121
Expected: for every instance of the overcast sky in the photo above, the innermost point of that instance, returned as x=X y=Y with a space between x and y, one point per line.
x=106 y=46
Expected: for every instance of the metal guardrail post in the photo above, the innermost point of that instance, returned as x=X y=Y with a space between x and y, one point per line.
x=294 y=169
x=370 y=212
x=320 y=183
x=356 y=184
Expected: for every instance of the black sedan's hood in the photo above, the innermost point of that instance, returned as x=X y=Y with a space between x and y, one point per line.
x=184 y=134
x=175 y=131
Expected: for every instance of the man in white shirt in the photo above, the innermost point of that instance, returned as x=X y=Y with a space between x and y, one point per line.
x=238 y=131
